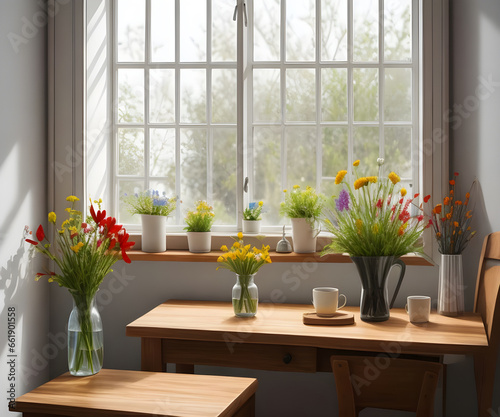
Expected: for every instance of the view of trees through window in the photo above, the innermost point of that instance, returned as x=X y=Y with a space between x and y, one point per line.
x=327 y=82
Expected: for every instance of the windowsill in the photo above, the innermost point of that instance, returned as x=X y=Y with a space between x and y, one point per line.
x=186 y=256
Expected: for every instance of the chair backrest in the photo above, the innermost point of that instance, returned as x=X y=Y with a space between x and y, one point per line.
x=385 y=382
x=488 y=289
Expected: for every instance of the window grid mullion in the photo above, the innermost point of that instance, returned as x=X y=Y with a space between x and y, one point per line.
x=177 y=106
x=209 y=103
x=283 y=94
x=147 y=59
x=350 y=87
x=381 y=78
x=319 y=148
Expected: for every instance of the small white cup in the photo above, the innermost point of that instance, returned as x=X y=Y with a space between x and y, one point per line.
x=418 y=308
x=326 y=301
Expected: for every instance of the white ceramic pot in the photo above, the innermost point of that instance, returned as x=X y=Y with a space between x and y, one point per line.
x=199 y=242
x=303 y=236
x=451 y=286
x=154 y=233
x=251 y=226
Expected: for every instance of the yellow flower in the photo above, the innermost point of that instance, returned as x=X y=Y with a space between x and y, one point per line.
x=72 y=198
x=73 y=229
x=355 y=163
x=68 y=209
x=375 y=228
x=372 y=179
x=261 y=203
x=285 y=190
x=220 y=259
x=52 y=217
x=394 y=177
x=359 y=225
x=236 y=245
x=77 y=247
x=340 y=176
x=64 y=223
x=240 y=235
x=360 y=182
x=296 y=186
x=403 y=192
x=223 y=248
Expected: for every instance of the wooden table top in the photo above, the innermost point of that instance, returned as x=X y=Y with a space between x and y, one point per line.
x=134 y=393
x=281 y=324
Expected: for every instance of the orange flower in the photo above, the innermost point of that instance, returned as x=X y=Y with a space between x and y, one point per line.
x=467 y=195
x=452 y=182
x=458 y=203
x=437 y=209
x=468 y=215
x=438 y=235
x=455 y=224
x=446 y=201
x=448 y=216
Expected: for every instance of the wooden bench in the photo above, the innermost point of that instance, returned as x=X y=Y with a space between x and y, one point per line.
x=114 y=393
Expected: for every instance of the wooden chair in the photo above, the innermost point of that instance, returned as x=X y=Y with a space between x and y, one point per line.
x=384 y=382
x=488 y=306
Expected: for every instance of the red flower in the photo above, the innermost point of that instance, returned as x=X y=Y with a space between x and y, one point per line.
x=416 y=195
x=429 y=224
x=426 y=198
x=379 y=203
x=452 y=182
x=99 y=216
x=31 y=241
x=40 y=235
x=125 y=245
x=455 y=174
x=420 y=218
x=112 y=244
x=110 y=226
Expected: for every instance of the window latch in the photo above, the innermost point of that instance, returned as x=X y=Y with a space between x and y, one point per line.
x=235 y=14
x=245 y=185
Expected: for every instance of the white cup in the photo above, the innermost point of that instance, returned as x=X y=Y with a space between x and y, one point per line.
x=326 y=301
x=418 y=308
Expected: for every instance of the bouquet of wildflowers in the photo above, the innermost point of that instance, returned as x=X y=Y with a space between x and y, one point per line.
x=452 y=220
x=150 y=202
x=84 y=252
x=253 y=211
x=200 y=219
x=305 y=204
x=372 y=218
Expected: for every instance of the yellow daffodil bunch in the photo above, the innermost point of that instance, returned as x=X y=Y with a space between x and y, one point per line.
x=243 y=259
x=200 y=219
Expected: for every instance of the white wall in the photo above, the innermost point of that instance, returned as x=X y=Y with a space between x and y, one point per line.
x=23 y=187
x=474 y=131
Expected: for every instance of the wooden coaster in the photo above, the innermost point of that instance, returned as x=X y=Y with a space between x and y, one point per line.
x=337 y=320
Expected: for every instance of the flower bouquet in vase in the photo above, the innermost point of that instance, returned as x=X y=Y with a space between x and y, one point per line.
x=84 y=252
x=199 y=225
x=371 y=221
x=452 y=219
x=154 y=210
x=244 y=261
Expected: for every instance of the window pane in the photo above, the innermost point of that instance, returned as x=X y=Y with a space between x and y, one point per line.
x=223 y=31
x=397 y=27
x=193 y=96
x=301 y=156
x=162 y=154
x=266 y=37
x=130 y=151
x=131 y=30
x=125 y=188
x=397 y=94
x=334 y=30
x=163 y=30
x=365 y=30
x=224 y=96
x=300 y=30
x=162 y=95
x=224 y=175
x=193 y=30
x=366 y=149
x=365 y=94
x=163 y=186
x=267 y=172
x=300 y=95
x=193 y=166
x=335 y=148
x=333 y=94
x=397 y=150
x=266 y=95
x=130 y=95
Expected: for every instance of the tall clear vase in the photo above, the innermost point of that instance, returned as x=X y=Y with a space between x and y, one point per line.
x=85 y=337
x=245 y=296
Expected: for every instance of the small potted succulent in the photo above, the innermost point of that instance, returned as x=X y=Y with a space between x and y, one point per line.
x=199 y=225
x=251 y=217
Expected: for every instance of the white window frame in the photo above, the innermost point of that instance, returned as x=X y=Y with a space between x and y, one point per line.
x=69 y=69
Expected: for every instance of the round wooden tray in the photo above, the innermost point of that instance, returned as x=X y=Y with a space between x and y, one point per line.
x=338 y=319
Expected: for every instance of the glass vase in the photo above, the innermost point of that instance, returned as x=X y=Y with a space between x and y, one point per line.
x=245 y=296
x=85 y=337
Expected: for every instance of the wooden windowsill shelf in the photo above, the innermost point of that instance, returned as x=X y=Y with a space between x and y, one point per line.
x=186 y=256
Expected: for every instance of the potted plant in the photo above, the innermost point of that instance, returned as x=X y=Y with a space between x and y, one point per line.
x=453 y=232
x=154 y=210
x=244 y=261
x=199 y=224
x=371 y=221
x=303 y=207
x=83 y=252
x=252 y=218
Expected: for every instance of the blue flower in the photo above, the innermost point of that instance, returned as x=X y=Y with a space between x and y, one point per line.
x=253 y=205
x=342 y=203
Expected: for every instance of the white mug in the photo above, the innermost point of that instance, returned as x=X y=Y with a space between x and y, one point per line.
x=418 y=308
x=326 y=301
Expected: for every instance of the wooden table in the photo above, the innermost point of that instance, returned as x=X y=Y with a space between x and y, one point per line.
x=114 y=393
x=189 y=333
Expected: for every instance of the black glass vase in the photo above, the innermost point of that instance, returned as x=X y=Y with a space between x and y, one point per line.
x=373 y=272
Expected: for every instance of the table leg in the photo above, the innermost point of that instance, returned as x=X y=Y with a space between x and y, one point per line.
x=247 y=409
x=484 y=370
x=151 y=355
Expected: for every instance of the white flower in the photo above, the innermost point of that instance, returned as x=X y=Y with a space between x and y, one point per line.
x=380 y=161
